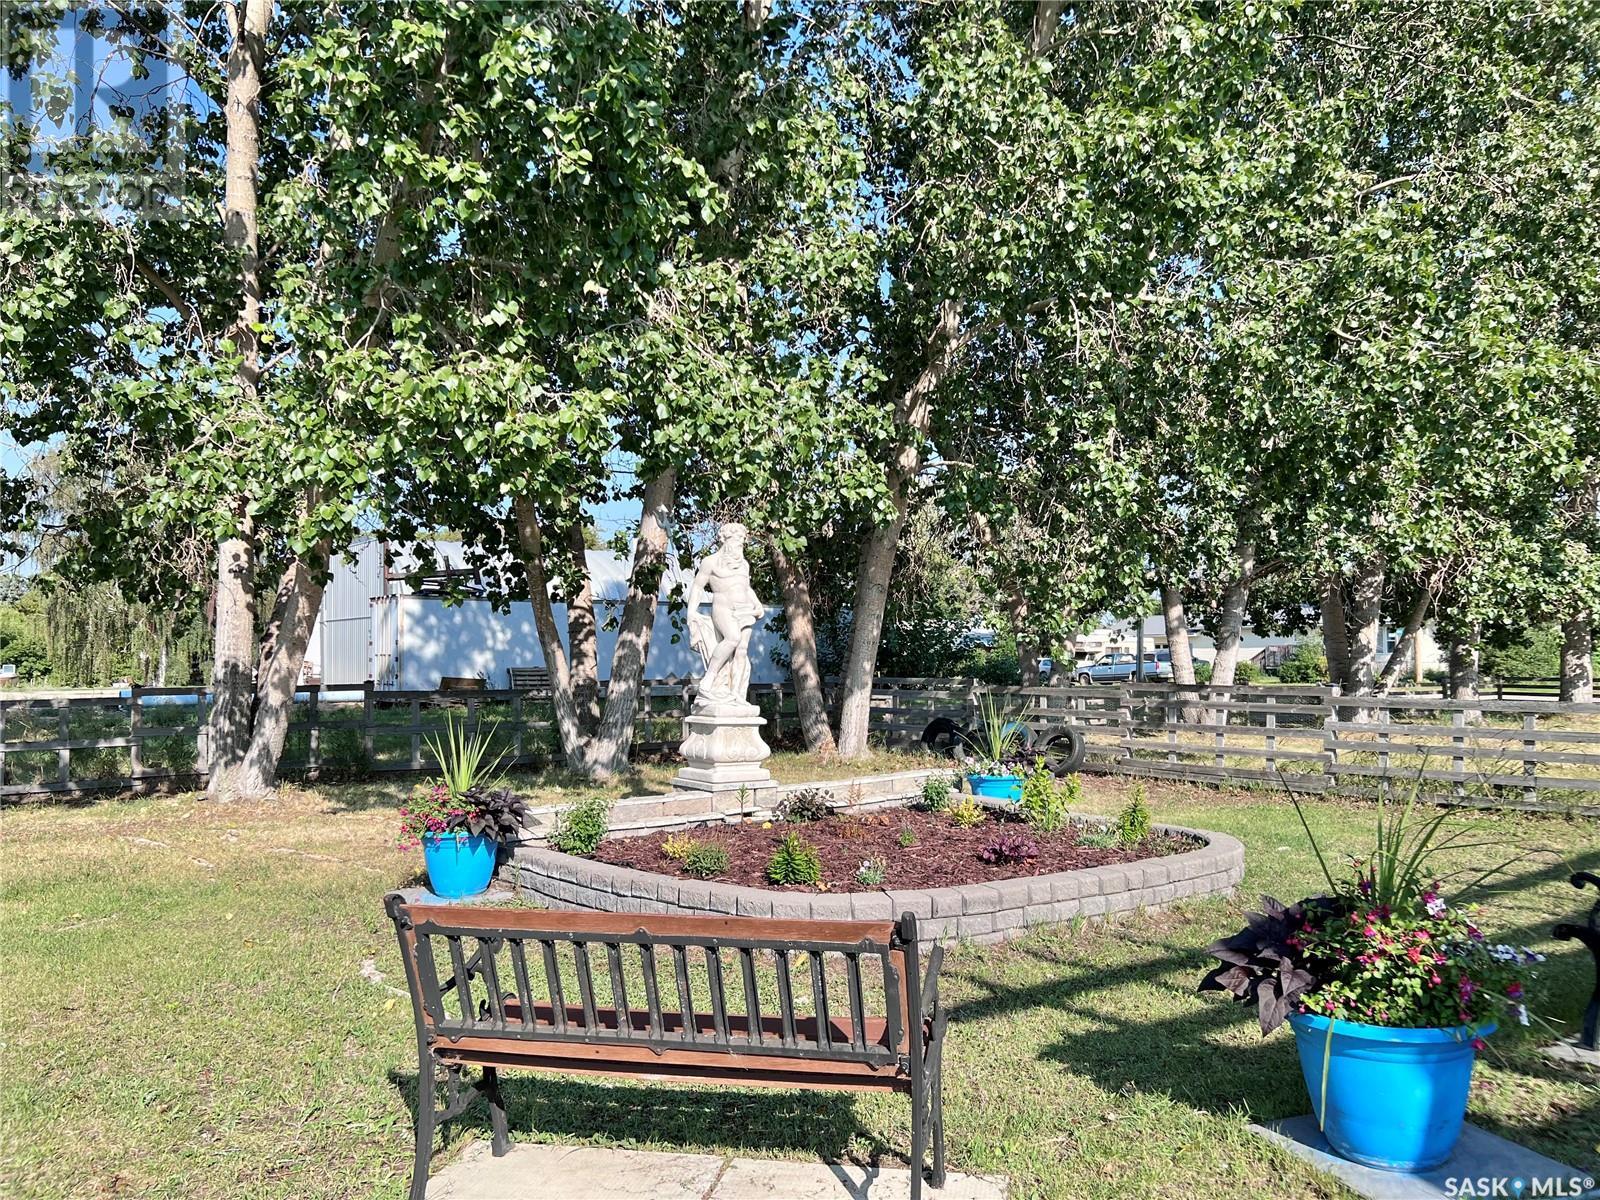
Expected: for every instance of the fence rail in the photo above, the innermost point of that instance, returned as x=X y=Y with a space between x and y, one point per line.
x=1535 y=753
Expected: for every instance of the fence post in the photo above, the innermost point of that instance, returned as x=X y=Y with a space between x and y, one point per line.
x=1270 y=742
x=367 y=716
x=1172 y=720
x=3 y=707
x=1530 y=766
x=516 y=726
x=1458 y=767
x=416 y=734
x=1125 y=720
x=313 y=730
x=135 y=734
x=1383 y=750
x=64 y=733
x=1330 y=736
x=1220 y=735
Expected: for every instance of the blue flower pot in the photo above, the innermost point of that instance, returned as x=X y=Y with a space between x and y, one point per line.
x=1396 y=1098
x=996 y=787
x=459 y=864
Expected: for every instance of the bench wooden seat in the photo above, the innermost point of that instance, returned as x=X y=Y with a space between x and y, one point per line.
x=546 y=990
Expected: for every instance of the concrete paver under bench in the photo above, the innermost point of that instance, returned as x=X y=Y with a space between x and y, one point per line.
x=531 y=1172
x=981 y=912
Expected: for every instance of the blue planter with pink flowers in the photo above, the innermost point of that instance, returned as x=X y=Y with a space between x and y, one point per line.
x=1394 y=1099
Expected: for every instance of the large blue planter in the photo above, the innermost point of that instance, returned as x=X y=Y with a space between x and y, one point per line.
x=1396 y=1098
x=996 y=787
x=459 y=864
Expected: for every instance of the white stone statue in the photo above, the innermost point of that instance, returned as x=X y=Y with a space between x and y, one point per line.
x=723 y=639
x=722 y=746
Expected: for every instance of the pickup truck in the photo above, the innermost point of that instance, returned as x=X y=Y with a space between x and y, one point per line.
x=1120 y=668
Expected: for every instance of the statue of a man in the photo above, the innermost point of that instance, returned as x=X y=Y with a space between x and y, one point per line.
x=723 y=639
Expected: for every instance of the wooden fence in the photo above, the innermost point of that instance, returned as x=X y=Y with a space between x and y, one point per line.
x=1539 y=754
x=156 y=737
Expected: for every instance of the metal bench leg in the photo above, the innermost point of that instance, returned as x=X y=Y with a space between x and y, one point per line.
x=490 y=1086
x=936 y=1109
x=426 y=1119
x=919 y=1133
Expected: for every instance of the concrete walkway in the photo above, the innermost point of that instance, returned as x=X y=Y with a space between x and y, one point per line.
x=531 y=1172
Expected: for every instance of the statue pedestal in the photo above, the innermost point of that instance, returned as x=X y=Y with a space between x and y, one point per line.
x=723 y=752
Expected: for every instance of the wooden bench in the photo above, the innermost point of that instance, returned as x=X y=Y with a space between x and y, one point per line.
x=529 y=679
x=560 y=991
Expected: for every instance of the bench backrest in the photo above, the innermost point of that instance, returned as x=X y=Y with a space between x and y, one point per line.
x=533 y=976
x=528 y=679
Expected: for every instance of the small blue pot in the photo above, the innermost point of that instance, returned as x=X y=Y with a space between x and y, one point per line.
x=459 y=864
x=996 y=787
x=1396 y=1098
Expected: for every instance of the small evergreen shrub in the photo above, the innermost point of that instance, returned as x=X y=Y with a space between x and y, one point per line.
x=803 y=805
x=1042 y=803
x=968 y=813
x=581 y=826
x=705 y=860
x=1133 y=822
x=794 y=861
x=872 y=872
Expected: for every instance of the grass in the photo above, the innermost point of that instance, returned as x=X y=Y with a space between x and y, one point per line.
x=197 y=1001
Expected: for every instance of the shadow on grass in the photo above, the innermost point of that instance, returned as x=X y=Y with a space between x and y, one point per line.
x=547 y=785
x=689 y=1120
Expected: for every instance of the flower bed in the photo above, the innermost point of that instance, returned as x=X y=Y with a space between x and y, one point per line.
x=914 y=849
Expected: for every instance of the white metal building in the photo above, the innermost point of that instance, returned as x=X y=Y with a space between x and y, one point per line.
x=372 y=626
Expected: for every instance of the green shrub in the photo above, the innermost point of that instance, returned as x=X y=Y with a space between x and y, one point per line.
x=907 y=837
x=1133 y=822
x=935 y=794
x=1042 y=802
x=872 y=872
x=704 y=860
x=581 y=826
x=968 y=813
x=1306 y=664
x=1244 y=671
x=795 y=861
x=804 y=805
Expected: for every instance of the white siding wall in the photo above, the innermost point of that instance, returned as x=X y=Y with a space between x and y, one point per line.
x=434 y=639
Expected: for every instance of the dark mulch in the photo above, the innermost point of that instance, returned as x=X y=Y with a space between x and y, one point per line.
x=944 y=854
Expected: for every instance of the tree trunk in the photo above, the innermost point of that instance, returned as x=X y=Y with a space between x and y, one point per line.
x=804 y=670
x=233 y=658
x=1178 y=645
x=615 y=736
x=1028 y=651
x=1407 y=645
x=1365 y=625
x=1230 y=621
x=1577 y=659
x=1181 y=651
x=301 y=591
x=1335 y=631
x=583 y=638
x=913 y=414
x=1464 y=673
x=569 y=725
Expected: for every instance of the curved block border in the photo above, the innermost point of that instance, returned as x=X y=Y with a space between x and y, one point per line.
x=981 y=912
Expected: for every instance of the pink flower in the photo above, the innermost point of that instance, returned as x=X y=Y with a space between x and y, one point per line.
x=1514 y=990
x=1370 y=931
x=1414 y=954
x=1434 y=903
x=1434 y=979
x=1479 y=1044
x=1467 y=987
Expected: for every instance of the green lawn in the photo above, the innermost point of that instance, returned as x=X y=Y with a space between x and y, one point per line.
x=195 y=1001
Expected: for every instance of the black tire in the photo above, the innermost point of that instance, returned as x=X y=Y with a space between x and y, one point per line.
x=1064 y=751
x=946 y=736
x=1085 y=680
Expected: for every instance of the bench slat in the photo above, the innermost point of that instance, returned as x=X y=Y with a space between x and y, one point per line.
x=652 y=988
x=680 y=970
x=853 y=983
x=619 y=989
x=519 y=967
x=552 y=976
x=785 y=1001
x=719 y=1012
x=819 y=995
x=586 y=986
x=752 y=998
x=565 y=925
x=491 y=980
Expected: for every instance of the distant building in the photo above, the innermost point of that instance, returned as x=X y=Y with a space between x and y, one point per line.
x=373 y=625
